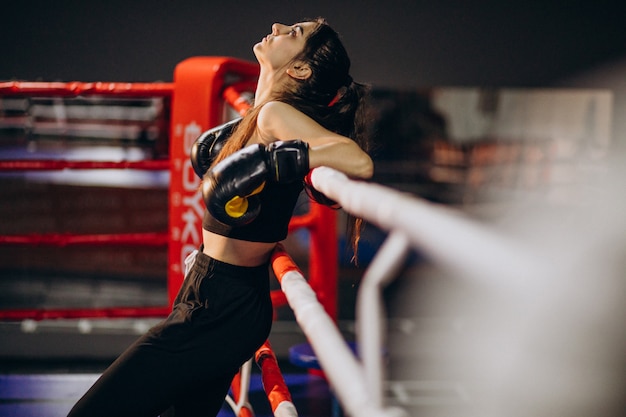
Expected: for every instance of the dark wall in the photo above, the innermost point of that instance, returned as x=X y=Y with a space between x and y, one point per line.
x=393 y=43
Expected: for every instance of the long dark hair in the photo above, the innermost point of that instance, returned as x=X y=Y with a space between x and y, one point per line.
x=329 y=96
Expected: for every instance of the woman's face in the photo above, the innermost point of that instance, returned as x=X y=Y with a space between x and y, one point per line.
x=284 y=43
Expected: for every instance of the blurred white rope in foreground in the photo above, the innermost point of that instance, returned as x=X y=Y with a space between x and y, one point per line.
x=552 y=338
x=445 y=236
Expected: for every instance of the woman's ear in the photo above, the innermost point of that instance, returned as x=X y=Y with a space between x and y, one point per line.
x=299 y=71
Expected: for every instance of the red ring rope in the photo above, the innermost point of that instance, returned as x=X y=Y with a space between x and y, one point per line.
x=233 y=95
x=68 y=239
x=79 y=313
x=54 y=165
x=73 y=89
x=273 y=381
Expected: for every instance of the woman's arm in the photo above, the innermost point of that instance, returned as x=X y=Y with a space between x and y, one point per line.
x=280 y=121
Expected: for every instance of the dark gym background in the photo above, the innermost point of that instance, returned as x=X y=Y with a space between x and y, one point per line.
x=399 y=44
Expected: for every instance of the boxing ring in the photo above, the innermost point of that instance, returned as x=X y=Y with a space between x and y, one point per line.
x=206 y=92
x=202 y=94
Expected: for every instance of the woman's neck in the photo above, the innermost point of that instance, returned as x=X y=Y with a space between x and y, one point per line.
x=268 y=84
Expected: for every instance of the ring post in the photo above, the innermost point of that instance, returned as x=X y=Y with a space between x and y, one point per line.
x=197 y=105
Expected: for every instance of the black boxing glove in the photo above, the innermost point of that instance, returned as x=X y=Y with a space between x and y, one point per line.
x=209 y=144
x=288 y=160
x=230 y=189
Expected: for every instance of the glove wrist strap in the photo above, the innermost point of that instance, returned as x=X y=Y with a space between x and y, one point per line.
x=289 y=161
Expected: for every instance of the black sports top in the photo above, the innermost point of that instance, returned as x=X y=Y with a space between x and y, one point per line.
x=277 y=204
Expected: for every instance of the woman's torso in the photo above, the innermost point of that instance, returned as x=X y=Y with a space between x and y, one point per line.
x=237 y=251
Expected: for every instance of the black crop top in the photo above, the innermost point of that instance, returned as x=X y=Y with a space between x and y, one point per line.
x=277 y=204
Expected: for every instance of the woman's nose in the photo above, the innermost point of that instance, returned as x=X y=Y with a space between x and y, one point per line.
x=277 y=28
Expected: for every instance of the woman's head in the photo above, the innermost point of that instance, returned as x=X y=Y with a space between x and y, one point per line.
x=277 y=51
x=310 y=55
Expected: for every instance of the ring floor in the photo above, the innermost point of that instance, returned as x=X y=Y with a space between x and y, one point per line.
x=53 y=395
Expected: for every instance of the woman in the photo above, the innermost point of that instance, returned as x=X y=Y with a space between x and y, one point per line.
x=223 y=312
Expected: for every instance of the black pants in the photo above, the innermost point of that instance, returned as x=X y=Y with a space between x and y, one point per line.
x=222 y=315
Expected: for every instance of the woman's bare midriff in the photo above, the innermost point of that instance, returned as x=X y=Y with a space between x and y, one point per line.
x=235 y=251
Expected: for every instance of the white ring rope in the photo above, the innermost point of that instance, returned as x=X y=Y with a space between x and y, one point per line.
x=335 y=357
x=444 y=235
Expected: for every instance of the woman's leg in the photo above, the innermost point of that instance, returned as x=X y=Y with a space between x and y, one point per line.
x=203 y=399
x=137 y=384
x=189 y=359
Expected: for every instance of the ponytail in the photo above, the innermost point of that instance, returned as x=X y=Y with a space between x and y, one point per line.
x=351 y=109
x=351 y=106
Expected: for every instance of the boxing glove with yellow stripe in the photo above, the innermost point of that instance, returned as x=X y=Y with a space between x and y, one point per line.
x=230 y=189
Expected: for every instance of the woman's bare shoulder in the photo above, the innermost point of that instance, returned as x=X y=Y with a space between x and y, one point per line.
x=278 y=120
